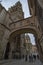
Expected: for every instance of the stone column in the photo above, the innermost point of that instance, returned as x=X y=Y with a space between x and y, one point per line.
x=40 y=49
x=11 y=49
x=18 y=42
x=18 y=47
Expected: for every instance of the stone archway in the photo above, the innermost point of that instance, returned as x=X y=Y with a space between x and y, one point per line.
x=26 y=30
x=22 y=26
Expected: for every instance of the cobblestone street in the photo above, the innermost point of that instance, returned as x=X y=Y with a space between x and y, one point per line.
x=21 y=62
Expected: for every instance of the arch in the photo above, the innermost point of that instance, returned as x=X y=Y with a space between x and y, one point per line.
x=27 y=30
x=24 y=30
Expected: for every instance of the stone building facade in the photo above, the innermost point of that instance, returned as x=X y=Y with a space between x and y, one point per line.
x=14 y=13
x=34 y=49
x=11 y=25
x=36 y=9
x=25 y=45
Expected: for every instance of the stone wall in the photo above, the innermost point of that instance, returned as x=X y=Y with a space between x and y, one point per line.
x=31 y=4
x=4 y=31
x=16 y=12
x=39 y=13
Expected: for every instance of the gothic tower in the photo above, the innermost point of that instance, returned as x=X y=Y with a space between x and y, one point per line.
x=16 y=12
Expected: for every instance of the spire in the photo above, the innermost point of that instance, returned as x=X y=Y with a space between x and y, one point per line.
x=18 y=4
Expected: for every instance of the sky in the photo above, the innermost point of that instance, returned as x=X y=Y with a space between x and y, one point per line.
x=8 y=3
x=32 y=38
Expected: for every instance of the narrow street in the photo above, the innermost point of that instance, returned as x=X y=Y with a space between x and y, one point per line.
x=20 y=62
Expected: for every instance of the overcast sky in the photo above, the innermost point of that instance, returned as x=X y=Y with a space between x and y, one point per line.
x=8 y=3
x=32 y=38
